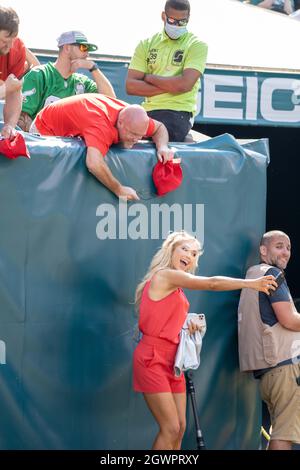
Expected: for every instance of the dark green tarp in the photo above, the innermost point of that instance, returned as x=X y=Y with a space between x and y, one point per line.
x=66 y=292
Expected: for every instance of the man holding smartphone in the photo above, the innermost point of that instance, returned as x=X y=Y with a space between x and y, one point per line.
x=269 y=341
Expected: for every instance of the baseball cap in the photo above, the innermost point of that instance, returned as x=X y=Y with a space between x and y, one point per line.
x=75 y=37
x=14 y=148
x=167 y=177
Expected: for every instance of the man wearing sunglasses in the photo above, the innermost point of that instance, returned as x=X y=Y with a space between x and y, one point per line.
x=52 y=81
x=166 y=69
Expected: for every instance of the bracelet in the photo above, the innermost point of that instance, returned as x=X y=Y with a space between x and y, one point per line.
x=95 y=67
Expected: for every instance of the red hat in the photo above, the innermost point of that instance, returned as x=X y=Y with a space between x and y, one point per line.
x=167 y=177
x=14 y=148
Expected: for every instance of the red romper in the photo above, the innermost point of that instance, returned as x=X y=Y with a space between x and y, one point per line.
x=153 y=360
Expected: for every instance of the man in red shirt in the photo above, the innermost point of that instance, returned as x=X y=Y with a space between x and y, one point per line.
x=102 y=121
x=12 y=67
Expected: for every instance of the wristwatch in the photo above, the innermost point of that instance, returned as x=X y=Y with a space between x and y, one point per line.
x=95 y=67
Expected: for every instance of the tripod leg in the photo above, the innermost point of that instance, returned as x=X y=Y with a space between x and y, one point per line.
x=191 y=393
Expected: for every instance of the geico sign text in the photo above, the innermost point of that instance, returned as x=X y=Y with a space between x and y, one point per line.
x=229 y=97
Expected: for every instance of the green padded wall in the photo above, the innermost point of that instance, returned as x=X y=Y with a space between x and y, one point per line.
x=66 y=292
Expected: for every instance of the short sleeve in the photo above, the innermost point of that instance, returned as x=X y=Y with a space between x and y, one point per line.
x=89 y=85
x=196 y=57
x=282 y=293
x=17 y=58
x=139 y=59
x=33 y=92
x=151 y=128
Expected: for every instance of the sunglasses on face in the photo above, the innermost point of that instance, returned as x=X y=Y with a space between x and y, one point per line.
x=82 y=47
x=173 y=21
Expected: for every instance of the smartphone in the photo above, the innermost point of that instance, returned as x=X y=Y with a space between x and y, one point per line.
x=201 y=318
x=279 y=278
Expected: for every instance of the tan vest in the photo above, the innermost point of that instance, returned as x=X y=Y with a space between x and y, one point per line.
x=261 y=345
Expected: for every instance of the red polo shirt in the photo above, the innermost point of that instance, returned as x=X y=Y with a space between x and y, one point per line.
x=92 y=116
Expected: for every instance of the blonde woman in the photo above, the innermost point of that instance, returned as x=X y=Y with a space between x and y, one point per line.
x=162 y=308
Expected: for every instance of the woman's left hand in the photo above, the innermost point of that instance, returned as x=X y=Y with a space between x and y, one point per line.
x=194 y=326
x=265 y=284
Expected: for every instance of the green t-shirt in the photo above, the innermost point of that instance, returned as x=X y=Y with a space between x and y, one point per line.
x=167 y=57
x=44 y=85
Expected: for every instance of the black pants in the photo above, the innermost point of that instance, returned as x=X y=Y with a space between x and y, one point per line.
x=178 y=123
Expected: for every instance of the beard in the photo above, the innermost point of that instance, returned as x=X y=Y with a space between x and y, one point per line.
x=279 y=263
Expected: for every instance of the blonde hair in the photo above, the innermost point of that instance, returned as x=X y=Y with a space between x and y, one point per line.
x=163 y=259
